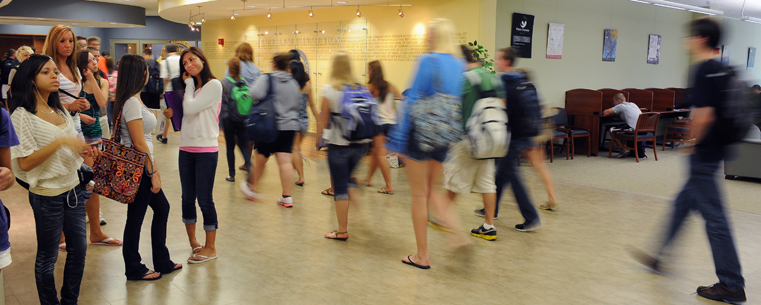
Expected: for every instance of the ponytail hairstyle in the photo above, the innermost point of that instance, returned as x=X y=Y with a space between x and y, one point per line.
x=133 y=73
x=299 y=73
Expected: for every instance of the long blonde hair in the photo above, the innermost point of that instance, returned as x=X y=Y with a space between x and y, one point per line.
x=340 y=74
x=443 y=40
x=54 y=35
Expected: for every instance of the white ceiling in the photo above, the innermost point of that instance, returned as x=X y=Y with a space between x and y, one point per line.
x=151 y=6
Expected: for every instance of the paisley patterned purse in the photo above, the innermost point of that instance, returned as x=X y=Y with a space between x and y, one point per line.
x=119 y=169
x=437 y=119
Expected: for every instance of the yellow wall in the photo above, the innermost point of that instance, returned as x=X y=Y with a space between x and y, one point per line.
x=467 y=16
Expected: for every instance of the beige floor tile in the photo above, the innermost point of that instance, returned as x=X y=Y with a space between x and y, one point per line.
x=272 y=255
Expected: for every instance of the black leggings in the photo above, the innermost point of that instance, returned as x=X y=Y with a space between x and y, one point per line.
x=236 y=132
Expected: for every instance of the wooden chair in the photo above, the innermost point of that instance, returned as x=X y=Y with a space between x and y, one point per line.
x=680 y=131
x=560 y=122
x=647 y=124
x=558 y=134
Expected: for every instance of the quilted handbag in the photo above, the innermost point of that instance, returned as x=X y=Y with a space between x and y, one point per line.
x=119 y=169
x=436 y=119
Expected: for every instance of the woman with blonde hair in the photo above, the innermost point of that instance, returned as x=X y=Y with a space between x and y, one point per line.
x=59 y=45
x=248 y=71
x=439 y=71
x=23 y=53
x=385 y=93
x=343 y=155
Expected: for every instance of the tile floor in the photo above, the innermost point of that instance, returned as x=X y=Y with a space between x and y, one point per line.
x=272 y=255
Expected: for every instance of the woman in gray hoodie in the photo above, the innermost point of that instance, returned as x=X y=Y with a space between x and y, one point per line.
x=286 y=101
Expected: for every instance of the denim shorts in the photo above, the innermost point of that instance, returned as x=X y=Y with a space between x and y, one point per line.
x=414 y=153
x=342 y=160
x=387 y=128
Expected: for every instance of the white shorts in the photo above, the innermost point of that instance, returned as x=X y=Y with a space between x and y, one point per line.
x=5 y=258
x=464 y=175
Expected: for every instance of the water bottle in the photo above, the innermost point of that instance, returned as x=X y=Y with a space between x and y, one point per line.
x=90 y=186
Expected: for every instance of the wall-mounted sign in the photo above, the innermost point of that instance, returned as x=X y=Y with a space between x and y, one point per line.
x=522 y=32
x=751 y=58
x=221 y=42
x=610 y=42
x=555 y=40
x=654 y=49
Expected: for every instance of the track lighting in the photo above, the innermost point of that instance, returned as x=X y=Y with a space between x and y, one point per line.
x=269 y=14
x=401 y=12
x=232 y=17
x=203 y=20
x=359 y=13
x=311 y=14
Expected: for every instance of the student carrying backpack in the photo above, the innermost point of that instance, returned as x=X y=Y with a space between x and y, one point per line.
x=359 y=117
x=487 y=126
x=523 y=105
x=155 y=83
x=733 y=118
x=239 y=104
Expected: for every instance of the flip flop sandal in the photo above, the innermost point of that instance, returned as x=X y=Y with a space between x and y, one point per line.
x=411 y=263
x=197 y=249
x=147 y=273
x=384 y=191
x=62 y=247
x=107 y=242
x=203 y=259
x=328 y=192
x=176 y=267
x=335 y=235
x=300 y=184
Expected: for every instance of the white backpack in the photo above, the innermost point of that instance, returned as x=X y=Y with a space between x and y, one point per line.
x=487 y=126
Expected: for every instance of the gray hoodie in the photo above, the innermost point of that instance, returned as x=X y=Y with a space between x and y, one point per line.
x=286 y=98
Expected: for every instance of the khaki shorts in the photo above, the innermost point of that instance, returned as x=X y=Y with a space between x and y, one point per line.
x=464 y=175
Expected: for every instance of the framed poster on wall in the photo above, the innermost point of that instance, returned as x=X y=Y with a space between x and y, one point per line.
x=555 y=40
x=751 y=58
x=654 y=49
x=725 y=55
x=610 y=41
x=522 y=33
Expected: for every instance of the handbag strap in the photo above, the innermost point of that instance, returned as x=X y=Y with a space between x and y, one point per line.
x=116 y=134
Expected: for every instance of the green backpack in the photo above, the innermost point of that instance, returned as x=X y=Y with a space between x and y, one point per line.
x=241 y=97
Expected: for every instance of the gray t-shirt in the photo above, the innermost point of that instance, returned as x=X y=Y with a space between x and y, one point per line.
x=133 y=110
x=629 y=112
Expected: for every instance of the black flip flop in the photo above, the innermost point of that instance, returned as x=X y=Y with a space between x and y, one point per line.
x=147 y=273
x=300 y=184
x=173 y=270
x=411 y=263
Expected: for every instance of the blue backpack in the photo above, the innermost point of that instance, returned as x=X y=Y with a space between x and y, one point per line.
x=261 y=124
x=358 y=117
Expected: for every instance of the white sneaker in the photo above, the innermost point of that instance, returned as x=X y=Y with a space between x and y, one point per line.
x=286 y=202
x=102 y=220
x=251 y=195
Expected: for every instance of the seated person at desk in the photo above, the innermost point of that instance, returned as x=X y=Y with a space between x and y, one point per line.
x=629 y=112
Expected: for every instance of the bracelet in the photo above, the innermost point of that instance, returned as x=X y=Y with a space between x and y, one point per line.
x=151 y=174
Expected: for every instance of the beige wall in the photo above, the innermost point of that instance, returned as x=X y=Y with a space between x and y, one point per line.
x=582 y=65
x=740 y=35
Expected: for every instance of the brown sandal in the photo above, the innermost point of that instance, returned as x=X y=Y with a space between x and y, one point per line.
x=328 y=192
x=334 y=235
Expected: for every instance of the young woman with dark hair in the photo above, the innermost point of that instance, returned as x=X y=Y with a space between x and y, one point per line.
x=94 y=91
x=301 y=76
x=386 y=94
x=233 y=121
x=135 y=123
x=47 y=160
x=286 y=102
x=199 y=149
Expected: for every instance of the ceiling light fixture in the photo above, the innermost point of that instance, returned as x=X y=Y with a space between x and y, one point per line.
x=232 y=17
x=269 y=14
x=359 y=13
x=679 y=6
x=311 y=14
x=401 y=12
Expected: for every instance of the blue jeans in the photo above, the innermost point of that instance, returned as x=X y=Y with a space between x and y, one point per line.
x=110 y=114
x=235 y=133
x=342 y=160
x=701 y=193
x=133 y=267
x=507 y=174
x=52 y=215
x=197 y=180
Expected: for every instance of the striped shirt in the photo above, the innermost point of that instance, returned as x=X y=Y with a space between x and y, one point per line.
x=58 y=174
x=72 y=88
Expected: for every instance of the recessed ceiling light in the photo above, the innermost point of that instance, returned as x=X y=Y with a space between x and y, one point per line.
x=74 y=23
x=132 y=26
x=342 y=2
x=112 y=22
x=252 y=6
x=40 y=18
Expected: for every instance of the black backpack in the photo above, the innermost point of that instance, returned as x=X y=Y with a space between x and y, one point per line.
x=155 y=84
x=733 y=118
x=523 y=107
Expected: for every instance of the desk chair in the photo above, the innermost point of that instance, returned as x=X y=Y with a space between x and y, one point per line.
x=560 y=122
x=558 y=134
x=680 y=131
x=647 y=124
